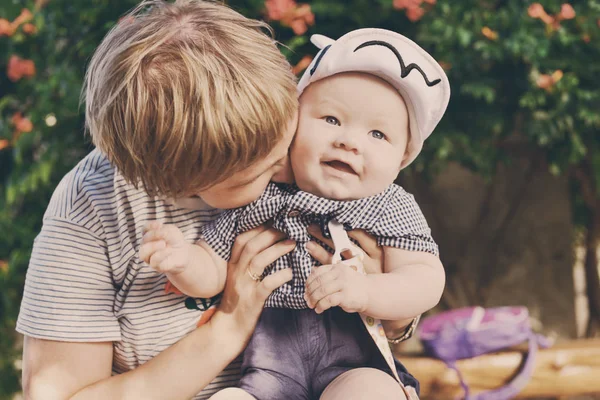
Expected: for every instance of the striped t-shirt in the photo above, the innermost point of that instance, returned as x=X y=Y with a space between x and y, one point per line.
x=85 y=282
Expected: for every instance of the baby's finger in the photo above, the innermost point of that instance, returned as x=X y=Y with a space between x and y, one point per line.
x=160 y=262
x=148 y=249
x=333 y=300
x=153 y=235
x=316 y=273
x=274 y=281
x=323 y=291
x=171 y=234
x=241 y=240
x=315 y=231
x=152 y=225
x=319 y=253
x=315 y=281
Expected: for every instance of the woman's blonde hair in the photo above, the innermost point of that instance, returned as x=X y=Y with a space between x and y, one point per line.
x=181 y=95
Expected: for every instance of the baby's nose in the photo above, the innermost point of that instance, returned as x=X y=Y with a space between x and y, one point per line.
x=348 y=141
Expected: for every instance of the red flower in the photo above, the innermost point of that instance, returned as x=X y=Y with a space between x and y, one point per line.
x=3 y=144
x=18 y=68
x=488 y=33
x=546 y=82
x=277 y=9
x=567 y=11
x=414 y=11
x=30 y=29
x=408 y=4
x=24 y=17
x=536 y=10
x=415 y=14
x=297 y=17
x=557 y=76
x=22 y=125
x=6 y=28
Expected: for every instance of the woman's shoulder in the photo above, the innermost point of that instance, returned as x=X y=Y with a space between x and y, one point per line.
x=92 y=177
x=95 y=197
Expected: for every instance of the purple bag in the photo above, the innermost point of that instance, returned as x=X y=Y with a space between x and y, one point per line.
x=473 y=331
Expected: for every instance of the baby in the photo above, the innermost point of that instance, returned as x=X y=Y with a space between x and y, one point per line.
x=367 y=103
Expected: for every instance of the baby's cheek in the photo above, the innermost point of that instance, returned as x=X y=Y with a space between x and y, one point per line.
x=299 y=157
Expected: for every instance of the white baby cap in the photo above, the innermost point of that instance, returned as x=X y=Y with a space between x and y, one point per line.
x=418 y=77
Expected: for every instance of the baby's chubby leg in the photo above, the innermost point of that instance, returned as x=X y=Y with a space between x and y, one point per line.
x=232 y=394
x=364 y=384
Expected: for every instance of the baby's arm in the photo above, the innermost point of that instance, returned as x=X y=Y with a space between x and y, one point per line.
x=194 y=269
x=412 y=283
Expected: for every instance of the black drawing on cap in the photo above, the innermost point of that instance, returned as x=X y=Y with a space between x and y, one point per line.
x=320 y=56
x=404 y=69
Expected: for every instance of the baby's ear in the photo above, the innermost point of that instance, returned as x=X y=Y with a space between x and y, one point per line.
x=321 y=41
x=406 y=157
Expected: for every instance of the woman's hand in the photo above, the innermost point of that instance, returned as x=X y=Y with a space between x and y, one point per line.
x=245 y=295
x=373 y=260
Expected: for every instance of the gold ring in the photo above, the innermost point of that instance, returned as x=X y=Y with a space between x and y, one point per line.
x=252 y=275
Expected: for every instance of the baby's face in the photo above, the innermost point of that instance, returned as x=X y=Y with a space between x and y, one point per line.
x=352 y=136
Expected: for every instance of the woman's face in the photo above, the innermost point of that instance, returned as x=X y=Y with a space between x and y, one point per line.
x=246 y=186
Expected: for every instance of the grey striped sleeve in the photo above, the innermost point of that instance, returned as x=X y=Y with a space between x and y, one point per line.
x=69 y=292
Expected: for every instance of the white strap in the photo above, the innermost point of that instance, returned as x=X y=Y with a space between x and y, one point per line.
x=374 y=327
x=342 y=242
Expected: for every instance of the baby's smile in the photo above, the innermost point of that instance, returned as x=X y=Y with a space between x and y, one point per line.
x=341 y=166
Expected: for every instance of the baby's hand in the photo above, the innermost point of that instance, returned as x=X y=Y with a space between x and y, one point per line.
x=336 y=285
x=164 y=248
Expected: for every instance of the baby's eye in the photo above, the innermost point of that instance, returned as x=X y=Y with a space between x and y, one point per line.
x=332 y=120
x=377 y=135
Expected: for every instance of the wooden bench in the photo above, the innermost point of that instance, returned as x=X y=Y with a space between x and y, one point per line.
x=567 y=368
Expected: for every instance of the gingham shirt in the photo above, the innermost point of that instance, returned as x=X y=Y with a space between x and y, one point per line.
x=392 y=216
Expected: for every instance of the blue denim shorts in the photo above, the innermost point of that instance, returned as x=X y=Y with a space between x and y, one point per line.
x=295 y=354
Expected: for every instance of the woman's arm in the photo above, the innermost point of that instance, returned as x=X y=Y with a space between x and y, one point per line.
x=66 y=370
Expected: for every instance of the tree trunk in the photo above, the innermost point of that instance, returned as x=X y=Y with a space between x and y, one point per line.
x=584 y=174
x=591 y=272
